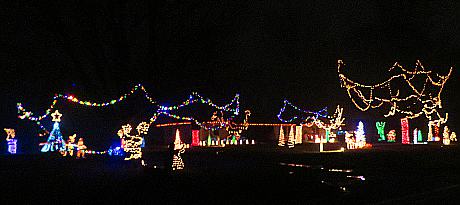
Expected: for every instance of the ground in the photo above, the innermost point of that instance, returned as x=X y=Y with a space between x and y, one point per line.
x=385 y=174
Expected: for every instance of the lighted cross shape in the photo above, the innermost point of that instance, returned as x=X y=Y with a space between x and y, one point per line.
x=56 y=116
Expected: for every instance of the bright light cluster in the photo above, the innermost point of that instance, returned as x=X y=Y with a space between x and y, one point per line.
x=430 y=101
x=132 y=143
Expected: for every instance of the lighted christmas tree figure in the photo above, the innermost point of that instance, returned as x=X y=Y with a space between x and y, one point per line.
x=419 y=136
x=179 y=148
x=55 y=141
x=381 y=130
x=291 y=139
x=359 y=135
x=281 y=137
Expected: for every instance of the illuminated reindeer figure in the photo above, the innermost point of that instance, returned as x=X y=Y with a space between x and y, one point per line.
x=425 y=100
x=334 y=123
x=132 y=143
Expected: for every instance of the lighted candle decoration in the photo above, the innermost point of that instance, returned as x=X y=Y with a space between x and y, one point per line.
x=11 y=142
x=427 y=97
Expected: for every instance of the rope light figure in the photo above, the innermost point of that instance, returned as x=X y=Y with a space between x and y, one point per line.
x=132 y=143
x=12 y=143
x=425 y=101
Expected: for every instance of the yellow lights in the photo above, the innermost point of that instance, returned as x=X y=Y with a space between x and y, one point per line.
x=70 y=146
x=10 y=133
x=424 y=97
x=179 y=148
x=173 y=124
x=56 y=116
x=81 y=148
x=132 y=143
x=291 y=139
x=281 y=137
x=447 y=137
x=334 y=123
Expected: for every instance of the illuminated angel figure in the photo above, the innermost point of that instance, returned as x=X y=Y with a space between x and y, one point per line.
x=132 y=143
x=410 y=93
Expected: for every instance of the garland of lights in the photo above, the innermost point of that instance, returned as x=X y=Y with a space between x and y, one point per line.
x=429 y=101
x=233 y=106
x=24 y=114
x=312 y=115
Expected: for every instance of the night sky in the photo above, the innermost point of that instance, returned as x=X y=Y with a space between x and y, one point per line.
x=264 y=50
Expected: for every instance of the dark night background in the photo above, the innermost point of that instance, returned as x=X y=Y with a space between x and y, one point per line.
x=264 y=50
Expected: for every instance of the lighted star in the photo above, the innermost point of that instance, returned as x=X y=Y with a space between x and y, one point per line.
x=56 y=116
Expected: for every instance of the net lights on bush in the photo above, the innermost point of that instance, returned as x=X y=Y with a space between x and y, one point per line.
x=132 y=143
x=24 y=114
x=429 y=101
x=11 y=142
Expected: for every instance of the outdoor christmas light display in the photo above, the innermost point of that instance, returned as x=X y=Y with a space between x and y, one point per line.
x=232 y=107
x=351 y=142
x=132 y=143
x=291 y=139
x=381 y=130
x=335 y=122
x=70 y=146
x=24 y=114
x=420 y=101
x=55 y=141
x=298 y=134
x=391 y=136
x=360 y=136
x=306 y=117
x=281 y=138
x=11 y=142
x=81 y=148
x=447 y=138
x=179 y=148
x=404 y=131
x=195 y=137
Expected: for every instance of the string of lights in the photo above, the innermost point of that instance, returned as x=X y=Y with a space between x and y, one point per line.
x=313 y=115
x=25 y=114
x=429 y=101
